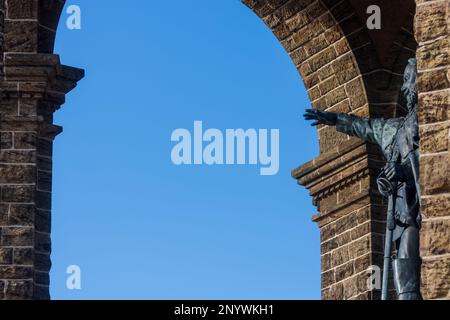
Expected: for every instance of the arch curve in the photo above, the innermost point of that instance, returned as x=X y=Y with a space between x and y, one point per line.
x=345 y=67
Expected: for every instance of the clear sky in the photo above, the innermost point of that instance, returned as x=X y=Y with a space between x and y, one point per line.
x=140 y=227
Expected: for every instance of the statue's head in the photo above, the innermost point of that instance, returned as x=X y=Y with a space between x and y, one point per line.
x=409 y=87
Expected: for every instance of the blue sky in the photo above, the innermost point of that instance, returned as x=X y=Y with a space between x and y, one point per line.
x=140 y=227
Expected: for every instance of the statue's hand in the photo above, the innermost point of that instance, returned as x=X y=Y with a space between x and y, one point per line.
x=394 y=171
x=321 y=117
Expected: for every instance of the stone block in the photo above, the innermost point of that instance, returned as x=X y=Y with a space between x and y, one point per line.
x=436 y=206
x=19 y=289
x=433 y=80
x=435 y=107
x=435 y=235
x=431 y=21
x=22 y=9
x=23 y=256
x=435 y=275
x=434 y=54
x=434 y=138
x=434 y=174
x=17 y=237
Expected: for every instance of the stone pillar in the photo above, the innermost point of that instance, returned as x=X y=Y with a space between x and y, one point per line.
x=433 y=58
x=33 y=84
x=351 y=218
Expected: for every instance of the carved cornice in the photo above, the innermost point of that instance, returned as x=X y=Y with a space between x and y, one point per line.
x=40 y=80
x=333 y=171
x=41 y=68
x=38 y=77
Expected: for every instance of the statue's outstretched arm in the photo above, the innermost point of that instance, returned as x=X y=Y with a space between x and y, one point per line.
x=363 y=128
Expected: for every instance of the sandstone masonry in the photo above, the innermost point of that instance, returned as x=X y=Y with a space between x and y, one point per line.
x=33 y=84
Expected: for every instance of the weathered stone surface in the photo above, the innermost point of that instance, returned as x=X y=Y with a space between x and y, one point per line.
x=432 y=22
x=350 y=288
x=25 y=140
x=2 y=289
x=348 y=194
x=17 y=237
x=6 y=256
x=435 y=275
x=434 y=174
x=5 y=140
x=360 y=231
x=363 y=263
x=435 y=237
x=19 y=289
x=326 y=262
x=328 y=278
x=360 y=247
x=21 y=36
x=327 y=246
x=329 y=138
x=17 y=174
x=340 y=256
x=21 y=194
x=435 y=107
x=23 y=256
x=13 y=272
x=322 y=59
x=336 y=292
x=13 y=156
x=343 y=239
x=434 y=138
x=432 y=30
x=344 y=271
x=4 y=213
x=22 y=9
x=356 y=93
x=22 y=214
x=434 y=54
x=433 y=80
x=436 y=206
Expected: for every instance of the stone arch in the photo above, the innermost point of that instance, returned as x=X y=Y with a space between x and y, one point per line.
x=346 y=68
x=33 y=85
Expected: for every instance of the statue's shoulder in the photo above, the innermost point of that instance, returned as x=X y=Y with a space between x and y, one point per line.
x=389 y=130
x=385 y=126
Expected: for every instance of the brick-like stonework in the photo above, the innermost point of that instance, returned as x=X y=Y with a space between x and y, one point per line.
x=33 y=84
x=432 y=29
x=348 y=68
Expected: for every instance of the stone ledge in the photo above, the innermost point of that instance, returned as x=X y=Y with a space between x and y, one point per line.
x=326 y=157
x=44 y=68
x=332 y=171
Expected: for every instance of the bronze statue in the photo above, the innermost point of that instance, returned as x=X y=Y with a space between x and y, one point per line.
x=399 y=180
